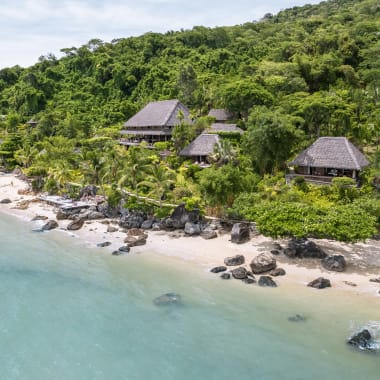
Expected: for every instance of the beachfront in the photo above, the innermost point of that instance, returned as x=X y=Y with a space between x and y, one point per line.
x=363 y=259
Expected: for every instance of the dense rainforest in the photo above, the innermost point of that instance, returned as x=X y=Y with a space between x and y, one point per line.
x=289 y=78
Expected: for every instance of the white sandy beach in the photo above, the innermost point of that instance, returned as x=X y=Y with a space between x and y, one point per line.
x=209 y=253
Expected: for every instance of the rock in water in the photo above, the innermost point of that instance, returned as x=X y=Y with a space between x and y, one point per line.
x=168 y=299
x=361 y=340
x=104 y=244
x=335 y=263
x=218 y=269
x=225 y=276
x=240 y=233
x=263 y=263
x=50 y=225
x=124 y=249
x=234 y=260
x=297 y=318
x=266 y=281
x=239 y=273
x=320 y=283
x=248 y=280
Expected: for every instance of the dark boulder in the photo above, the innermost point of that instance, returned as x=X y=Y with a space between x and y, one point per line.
x=104 y=244
x=168 y=299
x=304 y=248
x=248 y=280
x=75 y=225
x=218 y=269
x=277 y=272
x=225 y=276
x=240 y=233
x=132 y=219
x=108 y=210
x=88 y=191
x=239 y=273
x=124 y=249
x=147 y=224
x=181 y=216
x=234 y=260
x=117 y=253
x=263 y=263
x=192 y=229
x=5 y=201
x=266 y=281
x=208 y=234
x=50 y=225
x=335 y=263
x=62 y=215
x=361 y=340
x=320 y=283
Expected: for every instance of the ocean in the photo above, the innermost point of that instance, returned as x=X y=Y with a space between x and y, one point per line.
x=69 y=311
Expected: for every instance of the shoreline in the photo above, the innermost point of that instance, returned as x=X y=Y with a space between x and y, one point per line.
x=362 y=263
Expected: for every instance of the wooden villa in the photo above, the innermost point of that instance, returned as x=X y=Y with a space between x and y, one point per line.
x=200 y=149
x=327 y=158
x=154 y=123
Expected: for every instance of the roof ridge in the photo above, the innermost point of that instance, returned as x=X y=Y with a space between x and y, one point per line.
x=170 y=114
x=352 y=153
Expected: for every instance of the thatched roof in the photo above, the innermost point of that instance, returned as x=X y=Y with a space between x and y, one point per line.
x=203 y=145
x=331 y=152
x=220 y=114
x=220 y=127
x=159 y=114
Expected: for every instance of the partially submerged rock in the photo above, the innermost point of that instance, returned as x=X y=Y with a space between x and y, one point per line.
x=267 y=281
x=263 y=263
x=320 y=283
x=297 y=318
x=239 y=273
x=335 y=263
x=234 y=260
x=225 y=276
x=168 y=299
x=361 y=340
x=50 y=225
x=104 y=244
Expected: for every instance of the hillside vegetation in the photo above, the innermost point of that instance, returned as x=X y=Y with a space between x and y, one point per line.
x=306 y=72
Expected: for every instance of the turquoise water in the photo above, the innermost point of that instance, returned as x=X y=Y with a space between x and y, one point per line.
x=70 y=312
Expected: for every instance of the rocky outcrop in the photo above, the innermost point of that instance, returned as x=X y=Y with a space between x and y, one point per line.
x=361 y=340
x=168 y=299
x=263 y=263
x=132 y=219
x=192 y=229
x=234 y=260
x=75 y=225
x=267 y=281
x=277 y=272
x=304 y=248
x=218 y=269
x=320 y=283
x=109 y=211
x=50 y=225
x=239 y=273
x=335 y=263
x=240 y=233
x=181 y=216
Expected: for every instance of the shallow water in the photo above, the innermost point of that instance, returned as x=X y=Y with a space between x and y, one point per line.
x=70 y=312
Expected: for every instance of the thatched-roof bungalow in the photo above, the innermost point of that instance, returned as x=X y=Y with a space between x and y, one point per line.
x=224 y=128
x=220 y=115
x=154 y=122
x=327 y=158
x=200 y=148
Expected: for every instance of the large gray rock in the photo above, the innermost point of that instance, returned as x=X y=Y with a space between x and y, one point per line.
x=181 y=216
x=240 y=233
x=263 y=263
x=109 y=211
x=208 y=234
x=93 y=215
x=239 y=273
x=304 y=248
x=320 y=283
x=147 y=224
x=132 y=219
x=234 y=260
x=192 y=229
x=335 y=263
x=75 y=225
x=50 y=225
